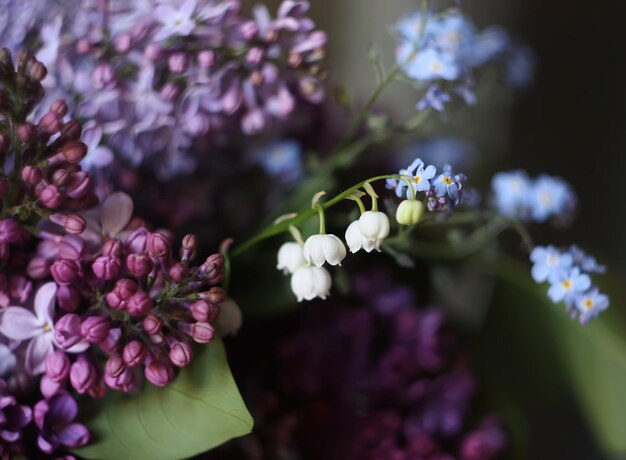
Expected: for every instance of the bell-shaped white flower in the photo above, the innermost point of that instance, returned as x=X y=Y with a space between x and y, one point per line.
x=309 y=282
x=324 y=248
x=374 y=226
x=356 y=240
x=290 y=257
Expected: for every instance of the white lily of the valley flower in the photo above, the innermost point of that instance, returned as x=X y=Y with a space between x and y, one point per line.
x=356 y=240
x=290 y=257
x=374 y=226
x=324 y=248
x=309 y=282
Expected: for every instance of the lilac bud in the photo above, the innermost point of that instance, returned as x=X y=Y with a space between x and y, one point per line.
x=214 y=295
x=124 y=382
x=140 y=304
x=65 y=271
x=158 y=373
x=255 y=56
x=37 y=71
x=67 y=331
x=106 y=267
x=50 y=123
x=249 y=30
x=134 y=353
x=73 y=152
x=139 y=265
x=57 y=366
x=181 y=354
x=59 y=107
x=49 y=387
x=158 y=245
x=10 y=231
x=95 y=329
x=72 y=130
x=75 y=224
x=71 y=247
x=206 y=59
x=27 y=133
x=213 y=268
x=61 y=177
x=112 y=247
x=200 y=332
x=79 y=185
x=83 y=46
x=51 y=197
x=114 y=366
x=123 y=43
x=152 y=324
x=189 y=246
x=111 y=343
x=253 y=122
x=170 y=92
x=178 y=272
x=83 y=374
x=68 y=297
x=137 y=240
x=204 y=312
x=103 y=77
x=153 y=52
x=178 y=63
x=38 y=268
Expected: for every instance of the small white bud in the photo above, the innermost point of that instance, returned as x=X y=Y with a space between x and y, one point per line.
x=290 y=257
x=324 y=248
x=374 y=226
x=409 y=212
x=309 y=282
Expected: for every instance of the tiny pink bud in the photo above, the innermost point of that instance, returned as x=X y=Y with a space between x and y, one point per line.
x=152 y=324
x=65 y=271
x=170 y=92
x=79 y=185
x=124 y=382
x=181 y=354
x=68 y=297
x=59 y=107
x=134 y=353
x=57 y=366
x=50 y=123
x=204 y=312
x=140 y=304
x=31 y=175
x=71 y=247
x=213 y=268
x=37 y=71
x=178 y=272
x=110 y=345
x=103 y=76
x=188 y=249
x=136 y=242
x=206 y=58
x=202 y=332
x=95 y=329
x=38 y=268
x=51 y=197
x=74 y=151
x=153 y=52
x=214 y=295
x=67 y=331
x=178 y=63
x=106 y=267
x=112 y=247
x=255 y=56
x=83 y=374
x=123 y=43
x=10 y=231
x=139 y=265
x=27 y=133
x=75 y=224
x=158 y=373
x=158 y=245
x=61 y=177
x=49 y=387
x=83 y=46
x=126 y=288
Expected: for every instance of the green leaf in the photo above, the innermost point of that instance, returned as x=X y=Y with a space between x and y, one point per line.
x=200 y=410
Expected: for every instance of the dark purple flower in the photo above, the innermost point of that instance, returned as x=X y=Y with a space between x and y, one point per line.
x=13 y=419
x=54 y=418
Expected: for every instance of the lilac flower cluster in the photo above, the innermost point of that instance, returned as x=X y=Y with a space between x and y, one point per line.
x=443 y=49
x=568 y=273
x=442 y=191
x=517 y=196
x=163 y=79
x=384 y=381
x=96 y=299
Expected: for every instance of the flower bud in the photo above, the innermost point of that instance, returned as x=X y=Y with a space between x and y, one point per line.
x=170 y=92
x=75 y=224
x=71 y=247
x=74 y=151
x=255 y=56
x=213 y=268
x=124 y=382
x=158 y=245
x=136 y=242
x=178 y=63
x=152 y=324
x=181 y=354
x=57 y=366
x=178 y=272
x=50 y=123
x=79 y=185
x=202 y=332
x=206 y=58
x=230 y=318
x=95 y=329
x=409 y=212
x=214 y=295
x=38 y=268
x=139 y=265
x=188 y=249
x=374 y=226
x=61 y=177
x=134 y=353
x=10 y=231
x=59 y=107
x=51 y=197
x=67 y=331
x=72 y=130
x=49 y=387
x=31 y=175
x=123 y=43
x=83 y=374
x=158 y=373
x=140 y=304
x=112 y=247
x=37 y=71
x=290 y=257
x=106 y=267
x=320 y=249
x=203 y=311
x=68 y=297
x=103 y=76
x=310 y=282
x=65 y=271
x=153 y=52
x=110 y=345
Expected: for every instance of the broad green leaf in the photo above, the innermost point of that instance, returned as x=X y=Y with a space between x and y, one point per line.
x=200 y=410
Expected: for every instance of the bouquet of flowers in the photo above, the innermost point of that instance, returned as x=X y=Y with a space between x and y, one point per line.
x=156 y=197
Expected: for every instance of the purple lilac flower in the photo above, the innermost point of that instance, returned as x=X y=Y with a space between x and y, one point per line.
x=13 y=419
x=55 y=419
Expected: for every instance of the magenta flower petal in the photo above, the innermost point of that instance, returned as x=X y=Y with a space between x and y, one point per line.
x=73 y=435
x=116 y=213
x=44 y=302
x=17 y=323
x=38 y=348
x=44 y=445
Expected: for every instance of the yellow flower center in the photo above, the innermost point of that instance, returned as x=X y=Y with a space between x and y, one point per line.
x=417 y=178
x=437 y=66
x=46 y=328
x=588 y=303
x=567 y=285
x=447 y=180
x=553 y=260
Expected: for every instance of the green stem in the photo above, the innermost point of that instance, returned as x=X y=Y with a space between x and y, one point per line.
x=360 y=204
x=409 y=183
x=320 y=211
